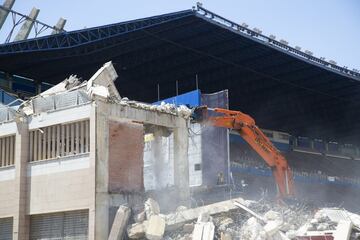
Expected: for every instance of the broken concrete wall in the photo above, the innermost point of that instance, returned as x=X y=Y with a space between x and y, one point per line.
x=159 y=160
x=126 y=144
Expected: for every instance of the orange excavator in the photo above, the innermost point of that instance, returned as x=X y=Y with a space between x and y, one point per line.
x=246 y=127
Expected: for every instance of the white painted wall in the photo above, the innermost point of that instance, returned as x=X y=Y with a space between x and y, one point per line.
x=155 y=180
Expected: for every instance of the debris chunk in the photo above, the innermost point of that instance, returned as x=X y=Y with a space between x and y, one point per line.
x=137 y=230
x=140 y=217
x=151 y=208
x=175 y=220
x=204 y=231
x=120 y=222
x=155 y=228
x=188 y=228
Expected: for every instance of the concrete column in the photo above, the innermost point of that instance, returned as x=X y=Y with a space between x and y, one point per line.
x=93 y=172
x=102 y=174
x=181 y=162
x=158 y=156
x=27 y=25
x=21 y=219
x=3 y=13
x=59 y=26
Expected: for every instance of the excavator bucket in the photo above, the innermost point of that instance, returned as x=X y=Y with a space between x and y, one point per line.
x=199 y=114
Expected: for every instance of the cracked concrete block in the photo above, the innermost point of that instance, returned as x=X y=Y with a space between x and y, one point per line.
x=155 y=228
x=204 y=231
x=120 y=222
x=137 y=230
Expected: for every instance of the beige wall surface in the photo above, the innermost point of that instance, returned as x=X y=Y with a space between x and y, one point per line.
x=7 y=200
x=59 y=190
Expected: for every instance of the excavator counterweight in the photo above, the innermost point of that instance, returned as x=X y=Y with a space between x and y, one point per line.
x=252 y=134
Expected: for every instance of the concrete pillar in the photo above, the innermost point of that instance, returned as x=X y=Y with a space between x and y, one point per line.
x=59 y=26
x=21 y=219
x=181 y=162
x=92 y=215
x=3 y=13
x=158 y=156
x=27 y=25
x=102 y=174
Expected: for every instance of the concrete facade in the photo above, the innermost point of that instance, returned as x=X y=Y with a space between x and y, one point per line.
x=96 y=180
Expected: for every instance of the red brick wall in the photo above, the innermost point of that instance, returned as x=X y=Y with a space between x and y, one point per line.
x=126 y=150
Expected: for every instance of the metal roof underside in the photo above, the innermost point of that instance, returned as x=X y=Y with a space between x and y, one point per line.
x=281 y=89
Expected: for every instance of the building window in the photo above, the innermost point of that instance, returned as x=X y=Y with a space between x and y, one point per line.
x=7 y=151
x=197 y=167
x=59 y=140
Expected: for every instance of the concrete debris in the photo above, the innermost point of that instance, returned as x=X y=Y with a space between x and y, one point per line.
x=181 y=208
x=140 y=217
x=178 y=219
x=155 y=228
x=120 y=222
x=204 y=217
x=188 y=228
x=151 y=208
x=182 y=110
x=203 y=231
x=137 y=230
x=102 y=83
x=343 y=230
x=66 y=85
x=225 y=236
x=99 y=87
x=248 y=220
x=253 y=230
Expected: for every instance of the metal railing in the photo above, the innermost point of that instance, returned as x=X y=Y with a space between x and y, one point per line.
x=281 y=45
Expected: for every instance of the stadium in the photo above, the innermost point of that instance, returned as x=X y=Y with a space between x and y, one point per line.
x=307 y=106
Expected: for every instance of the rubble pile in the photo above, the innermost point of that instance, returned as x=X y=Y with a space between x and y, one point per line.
x=242 y=219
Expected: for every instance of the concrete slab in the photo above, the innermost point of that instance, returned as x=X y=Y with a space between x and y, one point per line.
x=137 y=230
x=343 y=230
x=178 y=219
x=155 y=228
x=203 y=231
x=120 y=222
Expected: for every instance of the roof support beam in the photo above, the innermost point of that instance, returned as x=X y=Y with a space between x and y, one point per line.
x=8 y=4
x=27 y=26
x=59 y=26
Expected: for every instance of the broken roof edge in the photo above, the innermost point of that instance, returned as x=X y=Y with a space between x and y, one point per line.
x=100 y=87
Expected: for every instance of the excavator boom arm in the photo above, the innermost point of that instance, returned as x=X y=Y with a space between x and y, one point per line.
x=246 y=127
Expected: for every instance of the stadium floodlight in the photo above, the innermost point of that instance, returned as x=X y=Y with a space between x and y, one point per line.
x=273 y=37
x=309 y=52
x=257 y=30
x=322 y=58
x=284 y=42
x=333 y=62
x=199 y=4
x=298 y=48
x=355 y=70
x=244 y=25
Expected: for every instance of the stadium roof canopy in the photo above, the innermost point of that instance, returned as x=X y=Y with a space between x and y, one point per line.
x=281 y=87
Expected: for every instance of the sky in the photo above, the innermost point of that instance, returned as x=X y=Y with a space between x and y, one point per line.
x=328 y=28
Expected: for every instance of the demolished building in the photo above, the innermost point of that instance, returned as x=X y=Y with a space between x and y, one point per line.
x=75 y=153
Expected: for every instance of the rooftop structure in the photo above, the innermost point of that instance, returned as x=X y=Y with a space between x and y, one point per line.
x=284 y=88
